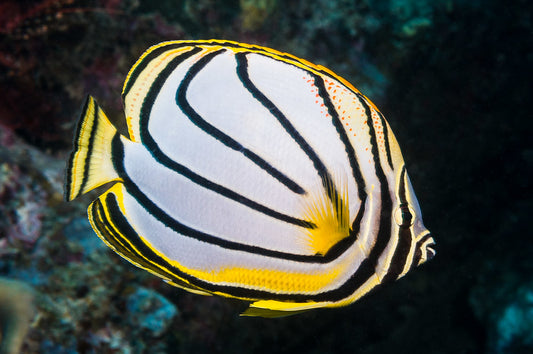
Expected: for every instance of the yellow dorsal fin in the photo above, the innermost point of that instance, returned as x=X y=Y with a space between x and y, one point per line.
x=327 y=207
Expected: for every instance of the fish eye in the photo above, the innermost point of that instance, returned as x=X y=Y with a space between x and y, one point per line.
x=404 y=215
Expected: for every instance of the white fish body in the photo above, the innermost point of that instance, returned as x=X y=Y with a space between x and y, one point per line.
x=250 y=173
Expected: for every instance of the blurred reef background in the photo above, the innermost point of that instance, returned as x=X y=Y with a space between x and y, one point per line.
x=454 y=79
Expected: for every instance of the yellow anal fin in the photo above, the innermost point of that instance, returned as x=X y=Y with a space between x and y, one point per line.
x=90 y=164
x=327 y=208
x=190 y=288
x=273 y=308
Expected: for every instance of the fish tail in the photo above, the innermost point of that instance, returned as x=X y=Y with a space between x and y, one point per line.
x=90 y=164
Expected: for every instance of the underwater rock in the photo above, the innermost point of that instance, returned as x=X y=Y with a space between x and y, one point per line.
x=30 y=180
x=16 y=312
x=411 y=27
x=78 y=303
x=151 y=311
x=503 y=301
x=408 y=17
x=255 y=12
x=48 y=346
x=80 y=232
x=513 y=329
x=20 y=207
x=51 y=49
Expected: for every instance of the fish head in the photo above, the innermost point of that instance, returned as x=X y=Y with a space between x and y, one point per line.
x=408 y=219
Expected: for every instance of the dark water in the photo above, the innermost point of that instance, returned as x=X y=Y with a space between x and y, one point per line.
x=453 y=79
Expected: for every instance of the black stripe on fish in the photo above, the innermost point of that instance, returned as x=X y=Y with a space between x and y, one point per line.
x=87 y=161
x=151 y=56
x=166 y=161
x=121 y=222
x=368 y=265
x=196 y=119
x=343 y=291
x=418 y=250
x=242 y=73
x=138 y=252
x=386 y=138
x=75 y=143
x=384 y=232
x=405 y=236
x=118 y=219
x=350 y=151
x=282 y=57
x=182 y=229
x=367 y=268
x=117 y=240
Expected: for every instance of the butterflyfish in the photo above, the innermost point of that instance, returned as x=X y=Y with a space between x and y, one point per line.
x=249 y=173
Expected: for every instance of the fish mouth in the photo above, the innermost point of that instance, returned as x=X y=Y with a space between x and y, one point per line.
x=430 y=250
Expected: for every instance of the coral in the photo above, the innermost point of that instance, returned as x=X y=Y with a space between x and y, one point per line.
x=20 y=211
x=88 y=298
x=513 y=330
x=150 y=311
x=16 y=312
x=255 y=12
x=23 y=20
x=51 y=49
x=81 y=235
x=29 y=180
x=502 y=299
x=506 y=309
x=409 y=17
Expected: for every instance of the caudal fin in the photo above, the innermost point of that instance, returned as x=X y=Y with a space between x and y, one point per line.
x=90 y=164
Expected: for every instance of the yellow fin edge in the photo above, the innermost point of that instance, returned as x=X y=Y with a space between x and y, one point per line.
x=273 y=308
x=90 y=164
x=116 y=238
